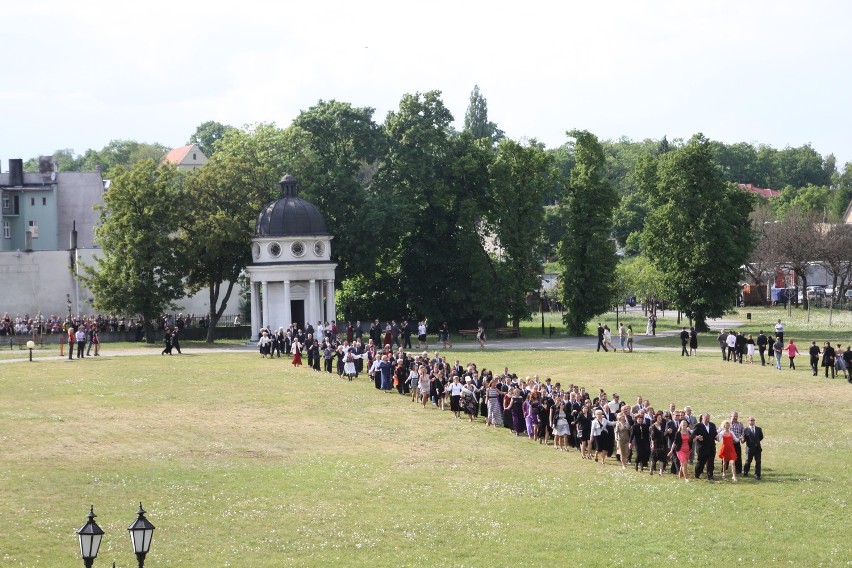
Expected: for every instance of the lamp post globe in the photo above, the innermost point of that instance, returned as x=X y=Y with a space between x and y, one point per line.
x=30 y=346
x=141 y=532
x=90 y=536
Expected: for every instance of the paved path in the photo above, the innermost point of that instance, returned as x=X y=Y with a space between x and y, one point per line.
x=554 y=344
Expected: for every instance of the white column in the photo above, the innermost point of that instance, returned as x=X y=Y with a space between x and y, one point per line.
x=255 y=311
x=265 y=286
x=329 y=301
x=311 y=308
x=288 y=315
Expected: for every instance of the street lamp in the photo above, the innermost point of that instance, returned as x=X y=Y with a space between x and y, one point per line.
x=141 y=532
x=90 y=536
x=541 y=296
x=30 y=345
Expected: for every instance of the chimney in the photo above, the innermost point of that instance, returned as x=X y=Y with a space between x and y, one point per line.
x=16 y=172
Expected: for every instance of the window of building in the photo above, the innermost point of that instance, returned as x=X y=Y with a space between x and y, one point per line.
x=34 y=229
x=32 y=200
x=44 y=200
x=7 y=230
x=193 y=156
x=5 y=202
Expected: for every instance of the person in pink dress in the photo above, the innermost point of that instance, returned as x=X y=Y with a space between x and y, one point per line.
x=727 y=453
x=681 y=447
x=297 y=353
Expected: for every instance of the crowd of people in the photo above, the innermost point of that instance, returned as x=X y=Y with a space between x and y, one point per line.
x=569 y=419
x=741 y=347
x=41 y=325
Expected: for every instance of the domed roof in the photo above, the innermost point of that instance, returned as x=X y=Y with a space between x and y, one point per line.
x=290 y=215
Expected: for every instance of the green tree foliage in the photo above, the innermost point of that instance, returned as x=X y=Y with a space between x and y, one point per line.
x=476 y=118
x=125 y=153
x=640 y=277
x=341 y=147
x=519 y=176
x=810 y=199
x=586 y=251
x=698 y=233
x=139 y=270
x=216 y=225
x=207 y=134
x=435 y=186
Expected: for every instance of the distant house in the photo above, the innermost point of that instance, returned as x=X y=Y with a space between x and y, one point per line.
x=764 y=193
x=847 y=215
x=188 y=157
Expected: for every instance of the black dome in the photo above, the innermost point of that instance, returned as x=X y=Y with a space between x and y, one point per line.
x=290 y=215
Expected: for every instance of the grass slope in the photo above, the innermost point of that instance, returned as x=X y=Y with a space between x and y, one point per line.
x=242 y=461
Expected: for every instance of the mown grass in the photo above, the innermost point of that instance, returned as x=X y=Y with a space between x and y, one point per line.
x=242 y=461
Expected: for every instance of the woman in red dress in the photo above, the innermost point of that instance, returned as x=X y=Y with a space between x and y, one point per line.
x=297 y=353
x=681 y=446
x=727 y=453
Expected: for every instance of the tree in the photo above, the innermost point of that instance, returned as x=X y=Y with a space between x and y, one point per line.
x=697 y=233
x=586 y=251
x=476 y=118
x=219 y=206
x=139 y=271
x=519 y=176
x=121 y=153
x=796 y=243
x=207 y=134
x=341 y=143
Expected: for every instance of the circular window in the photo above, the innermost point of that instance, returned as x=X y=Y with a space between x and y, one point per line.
x=274 y=249
x=256 y=250
x=298 y=248
x=319 y=248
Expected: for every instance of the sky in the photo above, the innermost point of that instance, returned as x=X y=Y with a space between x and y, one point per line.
x=78 y=75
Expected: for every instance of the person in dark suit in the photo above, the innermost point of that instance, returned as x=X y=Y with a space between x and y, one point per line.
x=752 y=435
x=762 y=341
x=684 y=341
x=601 y=338
x=704 y=436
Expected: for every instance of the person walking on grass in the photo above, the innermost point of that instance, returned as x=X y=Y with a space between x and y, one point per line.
x=777 y=347
x=792 y=351
x=681 y=449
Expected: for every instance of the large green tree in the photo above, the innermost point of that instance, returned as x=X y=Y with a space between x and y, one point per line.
x=698 y=232
x=341 y=147
x=139 y=272
x=476 y=118
x=586 y=251
x=207 y=134
x=520 y=174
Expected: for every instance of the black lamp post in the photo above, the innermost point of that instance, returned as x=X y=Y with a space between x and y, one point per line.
x=30 y=345
x=141 y=532
x=541 y=296
x=90 y=536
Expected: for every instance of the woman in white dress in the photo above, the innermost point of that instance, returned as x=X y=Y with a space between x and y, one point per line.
x=648 y=327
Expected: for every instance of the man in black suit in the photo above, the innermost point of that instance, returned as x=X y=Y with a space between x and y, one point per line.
x=600 y=338
x=814 y=354
x=684 y=341
x=705 y=440
x=752 y=435
x=762 y=341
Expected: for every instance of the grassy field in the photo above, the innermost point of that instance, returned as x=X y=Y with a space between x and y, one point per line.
x=242 y=461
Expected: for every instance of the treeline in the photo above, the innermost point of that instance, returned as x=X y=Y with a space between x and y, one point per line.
x=451 y=225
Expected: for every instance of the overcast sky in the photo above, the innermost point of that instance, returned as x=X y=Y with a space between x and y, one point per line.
x=79 y=74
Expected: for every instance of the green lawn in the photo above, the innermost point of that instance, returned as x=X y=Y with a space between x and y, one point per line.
x=242 y=461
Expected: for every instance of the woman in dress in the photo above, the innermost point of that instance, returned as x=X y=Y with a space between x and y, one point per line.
x=388 y=336
x=600 y=435
x=349 y=362
x=608 y=338
x=727 y=453
x=640 y=441
x=659 y=450
x=682 y=447
x=480 y=334
x=531 y=406
x=424 y=385
x=630 y=338
x=445 y=336
x=583 y=423
x=750 y=348
x=560 y=425
x=839 y=360
x=495 y=408
x=96 y=341
x=648 y=327
x=622 y=438
x=297 y=353
x=469 y=401
x=516 y=404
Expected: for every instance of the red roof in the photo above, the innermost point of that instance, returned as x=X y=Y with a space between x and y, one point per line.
x=764 y=193
x=178 y=154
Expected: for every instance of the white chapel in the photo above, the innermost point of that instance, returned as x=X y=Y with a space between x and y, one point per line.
x=291 y=274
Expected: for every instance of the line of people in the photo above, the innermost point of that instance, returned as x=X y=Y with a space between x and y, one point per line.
x=740 y=347
x=596 y=427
